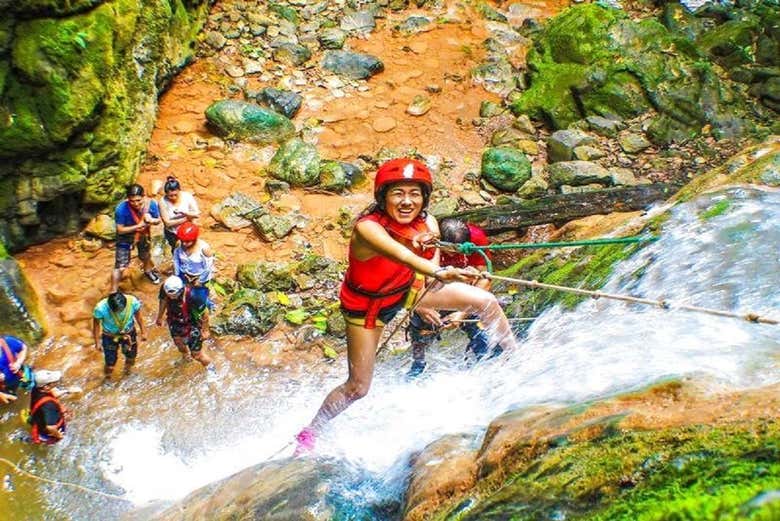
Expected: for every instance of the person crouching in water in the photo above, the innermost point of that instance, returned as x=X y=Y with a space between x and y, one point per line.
x=113 y=327
x=423 y=331
x=187 y=312
x=47 y=414
x=387 y=265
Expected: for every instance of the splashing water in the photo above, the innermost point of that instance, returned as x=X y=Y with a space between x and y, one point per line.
x=201 y=433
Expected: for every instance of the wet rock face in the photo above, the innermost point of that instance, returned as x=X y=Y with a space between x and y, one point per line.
x=77 y=81
x=290 y=489
x=19 y=307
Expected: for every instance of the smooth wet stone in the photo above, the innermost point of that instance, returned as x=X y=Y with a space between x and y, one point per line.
x=419 y=105
x=352 y=65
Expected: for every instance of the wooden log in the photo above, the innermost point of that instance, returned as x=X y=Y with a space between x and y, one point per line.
x=559 y=209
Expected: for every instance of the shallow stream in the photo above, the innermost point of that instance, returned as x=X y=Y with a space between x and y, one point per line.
x=149 y=440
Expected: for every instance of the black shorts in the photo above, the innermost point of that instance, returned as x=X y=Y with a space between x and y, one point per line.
x=112 y=343
x=191 y=335
x=170 y=237
x=122 y=252
x=384 y=316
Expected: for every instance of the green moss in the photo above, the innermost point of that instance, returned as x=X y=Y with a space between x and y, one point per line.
x=579 y=35
x=284 y=11
x=549 y=97
x=697 y=473
x=719 y=208
x=586 y=268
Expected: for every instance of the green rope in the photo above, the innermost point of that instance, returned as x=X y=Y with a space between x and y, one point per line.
x=468 y=248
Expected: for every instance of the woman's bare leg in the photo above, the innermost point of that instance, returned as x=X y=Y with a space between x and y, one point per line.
x=361 y=355
x=458 y=296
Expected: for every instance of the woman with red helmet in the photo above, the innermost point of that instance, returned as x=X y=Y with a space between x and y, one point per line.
x=388 y=263
x=193 y=260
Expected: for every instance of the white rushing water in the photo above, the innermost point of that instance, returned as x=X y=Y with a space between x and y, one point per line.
x=200 y=434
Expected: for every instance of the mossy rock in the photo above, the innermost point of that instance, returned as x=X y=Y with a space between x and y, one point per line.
x=64 y=64
x=506 y=168
x=41 y=8
x=240 y=120
x=296 y=162
x=595 y=61
x=730 y=43
x=267 y=276
x=333 y=177
x=247 y=312
x=687 y=473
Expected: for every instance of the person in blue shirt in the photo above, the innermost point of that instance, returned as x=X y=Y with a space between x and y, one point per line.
x=113 y=327
x=134 y=218
x=13 y=371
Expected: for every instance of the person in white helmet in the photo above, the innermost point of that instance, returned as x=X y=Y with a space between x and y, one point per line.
x=187 y=312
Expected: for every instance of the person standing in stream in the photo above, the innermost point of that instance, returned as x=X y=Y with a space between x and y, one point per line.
x=390 y=258
x=134 y=218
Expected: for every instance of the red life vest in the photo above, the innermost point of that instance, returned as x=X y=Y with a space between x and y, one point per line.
x=379 y=282
x=39 y=437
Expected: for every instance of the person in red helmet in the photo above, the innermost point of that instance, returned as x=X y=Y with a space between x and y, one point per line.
x=193 y=260
x=389 y=260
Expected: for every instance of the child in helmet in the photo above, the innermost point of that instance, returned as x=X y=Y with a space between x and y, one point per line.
x=193 y=260
x=389 y=258
x=187 y=311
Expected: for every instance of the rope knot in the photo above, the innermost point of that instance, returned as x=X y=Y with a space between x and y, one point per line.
x=467 y=248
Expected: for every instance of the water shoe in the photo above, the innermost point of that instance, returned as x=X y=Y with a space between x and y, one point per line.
x=305 y=442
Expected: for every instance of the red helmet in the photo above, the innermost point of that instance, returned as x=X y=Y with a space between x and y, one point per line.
x=402 y=169
x=187 y=232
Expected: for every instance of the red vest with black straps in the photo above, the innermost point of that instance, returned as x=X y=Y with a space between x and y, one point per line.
x=379 y=282
x=39 y=437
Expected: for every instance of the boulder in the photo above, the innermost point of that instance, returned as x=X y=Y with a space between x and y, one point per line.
x=247 y=312
x=577 y=173
x=234 y=211
x=444 y=468
x=285 y=102
x=292 y=54
x=241 y=121
x=333 y=177
x=332 y=38
x=297 y=163
x=352 y=65
x=102 y=226
x=506 y=168
x=561 y=144
x=267 y=276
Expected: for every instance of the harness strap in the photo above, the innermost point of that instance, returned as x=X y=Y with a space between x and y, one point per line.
x=126 y=322
x=137 y=219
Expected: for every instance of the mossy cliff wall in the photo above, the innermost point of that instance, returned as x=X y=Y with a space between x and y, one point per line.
x=79 y=83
